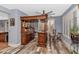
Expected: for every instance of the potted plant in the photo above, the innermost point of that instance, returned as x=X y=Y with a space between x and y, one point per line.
x=73 y=52
x=74 y=31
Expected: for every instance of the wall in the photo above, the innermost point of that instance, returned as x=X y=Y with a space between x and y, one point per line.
x=51 y=24
x=4 y=10
x=58 y=19
x=4 y=13
x=58 y=24
x=69 y=9
x=77 y=14
x=15 y=31
x=67 y=22
x=4 y=17
x=3 y=26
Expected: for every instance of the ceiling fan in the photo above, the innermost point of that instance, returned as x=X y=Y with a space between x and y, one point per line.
x=48 y=13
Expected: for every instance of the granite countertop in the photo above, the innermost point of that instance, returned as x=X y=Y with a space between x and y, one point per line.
x=3 y=32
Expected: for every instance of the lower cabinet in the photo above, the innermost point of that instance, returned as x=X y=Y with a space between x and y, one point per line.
x=25 y=38
x=2 y=37
x=42 y=38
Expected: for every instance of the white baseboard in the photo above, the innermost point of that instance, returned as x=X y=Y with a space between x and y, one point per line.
x=14 y=45
x=66 y=36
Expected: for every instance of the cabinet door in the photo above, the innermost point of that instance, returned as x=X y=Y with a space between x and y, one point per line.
x=2 y=37
x=23 y=41
x=25 y=38
x=42 y=39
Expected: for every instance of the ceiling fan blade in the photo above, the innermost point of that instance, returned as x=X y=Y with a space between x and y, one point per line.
x=52 y=14
x=43 y=11
x=49 y=12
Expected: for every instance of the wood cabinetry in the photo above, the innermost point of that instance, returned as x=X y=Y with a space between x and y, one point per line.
x=42 y=37
x=26 y=33
x=25 y=38
x=26 y=21
x=2 y=36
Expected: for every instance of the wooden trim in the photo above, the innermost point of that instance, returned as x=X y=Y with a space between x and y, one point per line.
x=33 y=18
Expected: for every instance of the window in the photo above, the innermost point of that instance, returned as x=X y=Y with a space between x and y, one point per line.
x=68 y=21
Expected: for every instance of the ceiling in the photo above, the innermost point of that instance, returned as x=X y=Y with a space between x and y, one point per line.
x=32 y=9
